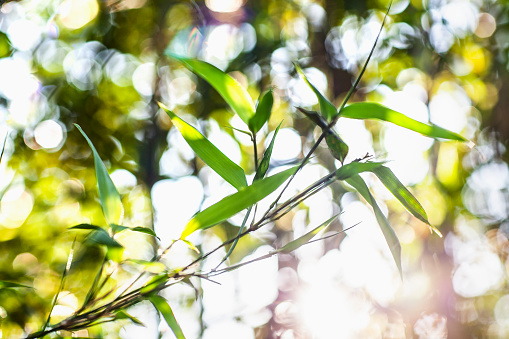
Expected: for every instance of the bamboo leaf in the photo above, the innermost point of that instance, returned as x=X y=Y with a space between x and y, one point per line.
x=210 y=154
x=263 y=111
x=337 y=147
x=327 y=109
x=355 y=167
x=404 y=196
x=371 y=110
x=231 y=91
x=293 y=245
x=124 y=315
x=236 y=202
x=98 y=235
x=108 y=195
x=10 y=284
x=390 y=236
x=264 y=164
x=140 y=229
x=162 y=306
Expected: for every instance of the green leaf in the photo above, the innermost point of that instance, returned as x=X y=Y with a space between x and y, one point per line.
x=236 y=202
x=108 y=195
x=162 y=306
x=10 y=284
x=390 y=236
x=327 y=109
x=218 y=162
x=231 y=91
x=140 y=229
x=337 y=147
x=371 y=110
x=293 y=245
x=356 y=167
x=154 y=283
x=404 y=196
x=264 y=164
x=98 y=235
x=155 y=267
x=124 y=315
x=262 y=113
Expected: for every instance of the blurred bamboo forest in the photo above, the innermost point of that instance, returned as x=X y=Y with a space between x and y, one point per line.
x=101 y=64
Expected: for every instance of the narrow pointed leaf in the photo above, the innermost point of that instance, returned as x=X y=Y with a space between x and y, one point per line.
x=155 y=267
x=293 y=245
x=236 y=202
x=356 y=167
x=314 y=117
x=124 y=315
x=108 y=195
x=162 y=306
x=390 y=236
x=210 y=154
x=140 y=229
x=327 y=109
x=371 y=110
x=264 y=164
x=262 y=113
x=10 y=284
x=231 y=91
x=404 y=196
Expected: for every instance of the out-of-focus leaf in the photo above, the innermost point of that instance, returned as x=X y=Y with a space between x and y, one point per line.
x=10 y=284
x=231 y=91
x=140 y=229
x=191 y=245
x=404 y=196
x=371 y=110
x=218 y=162
x=162 y=306
x=293 y=245
x=155 y=267
x=264 y=164
x=262 y=113
x=124 y=315
x=98 y=235
x=356 y=167
x=236 y=202
x=337 y=147
x=390 y=236
x=108 y=195
x=327 y=109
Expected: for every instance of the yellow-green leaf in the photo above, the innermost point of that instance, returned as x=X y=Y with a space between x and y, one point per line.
x=162 y=306
x=404 y=196
x=236 y=202
x=231 y=91
x=264 y=164
x=390 y=236
x=210 y=154
x=371 y=110
x=108 y=195
x=327 y=109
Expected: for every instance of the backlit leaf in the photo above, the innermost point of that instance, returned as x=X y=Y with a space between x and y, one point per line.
x=231 y=91
x=108 y=195
x=355 y=167
x=210 y=154
x=404 y=196
x=262 y=113
x=236 y=202
x=10 y=284
x=371 y=110
x=337 y=147
x=293 y=245
x=327 y=109
x=162 y=306
x=390 y=236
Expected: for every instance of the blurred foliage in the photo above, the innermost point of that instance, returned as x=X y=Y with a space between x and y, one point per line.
x=101 y=64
